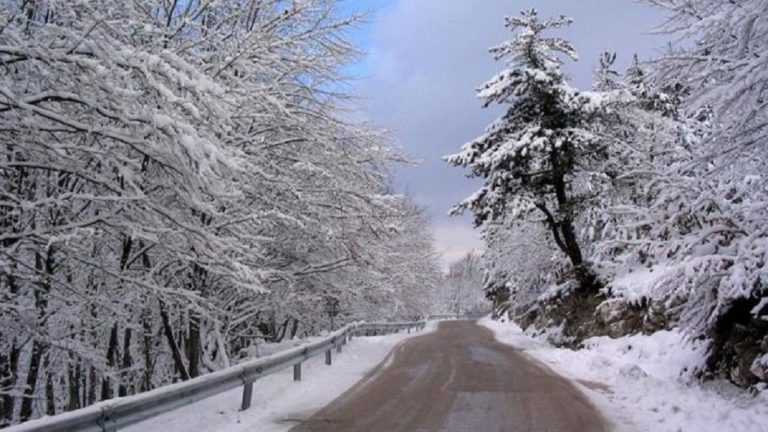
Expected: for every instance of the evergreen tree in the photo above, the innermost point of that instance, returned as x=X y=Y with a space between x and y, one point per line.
x=538 y=157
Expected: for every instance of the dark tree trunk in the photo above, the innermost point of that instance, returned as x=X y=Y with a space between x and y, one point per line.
x=9 y=364
x=146 y=384
x=193 y=344
x=8 y=377
x=92 y=380
x=74 y=380
x=106 y=386
x=50 y=395
x=178 y=361
x=561 y=222
x=92 y=387
x=9 y=361
x=127 y=363
x=146 y=320
x=38 y=348
x=565 y=223
x=193 y=347
x=295 y=328
x=126 y=360
x=281 y=331
x=35 y=358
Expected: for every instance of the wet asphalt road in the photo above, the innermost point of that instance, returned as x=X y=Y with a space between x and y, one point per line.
x=459 y=378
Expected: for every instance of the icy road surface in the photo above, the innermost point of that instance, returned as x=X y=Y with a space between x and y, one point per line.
x=459 y=379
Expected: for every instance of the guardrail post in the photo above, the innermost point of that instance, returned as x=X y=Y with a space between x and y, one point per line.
x=104 y=421
x=247 y=395
x=297 y=372
x=328 y=357
x=338 y=347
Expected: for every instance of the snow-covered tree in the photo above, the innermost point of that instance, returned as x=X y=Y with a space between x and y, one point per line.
x=464 y=285
x=176 y=183
x=539 y=156
x=658 y=177
x=710 y=209
x=520 y=265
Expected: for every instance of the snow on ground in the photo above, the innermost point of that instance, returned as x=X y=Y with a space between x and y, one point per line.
x=644 y=383
x=279 y=402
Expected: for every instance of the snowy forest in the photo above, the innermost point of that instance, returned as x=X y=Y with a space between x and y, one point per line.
x=185 y=181
x=178 y=182
x=461 y=290
x=640 y=204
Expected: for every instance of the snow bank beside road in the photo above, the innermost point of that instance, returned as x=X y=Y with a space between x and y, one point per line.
x=279 y=403
x=644 y=383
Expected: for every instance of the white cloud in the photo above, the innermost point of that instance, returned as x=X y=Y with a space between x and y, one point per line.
x=454 y=240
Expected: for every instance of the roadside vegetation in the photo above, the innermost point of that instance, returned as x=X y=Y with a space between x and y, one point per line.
x=639 y=205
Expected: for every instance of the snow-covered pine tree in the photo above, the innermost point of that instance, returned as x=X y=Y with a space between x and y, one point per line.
x=531 y=156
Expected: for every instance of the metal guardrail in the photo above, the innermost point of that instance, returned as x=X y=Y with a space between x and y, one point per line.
x=115 y=414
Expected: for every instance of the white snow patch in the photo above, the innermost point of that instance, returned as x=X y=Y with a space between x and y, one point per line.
x=644 y=382
x=641 y=282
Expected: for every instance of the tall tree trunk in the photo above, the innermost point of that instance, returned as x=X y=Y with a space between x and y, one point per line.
x=112 y=355
x=280 y=332
x=9 y=364
x=562 y=226
x=178 y=361
x=91 y=389
x=106 y=387
x=295 y=328
x=92 y=385
x=146 y=324
x=73 y=381
x=8 y=377
x=126 y=364
x=565 y=218
x=50 y=394
x=38 y=348
x=9 y=291
x=193 y=344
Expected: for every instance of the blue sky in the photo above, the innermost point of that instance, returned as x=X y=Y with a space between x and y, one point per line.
x=423 y=60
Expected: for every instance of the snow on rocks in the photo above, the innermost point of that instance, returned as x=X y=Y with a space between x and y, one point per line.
x=641 y=282
x=646 y=382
